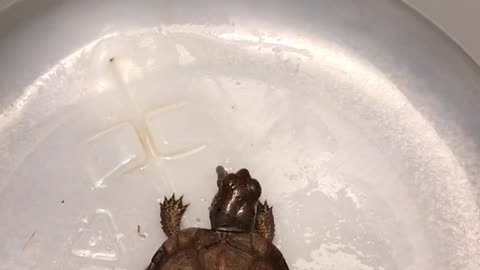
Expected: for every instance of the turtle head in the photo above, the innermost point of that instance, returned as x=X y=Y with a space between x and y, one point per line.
x=234 y=206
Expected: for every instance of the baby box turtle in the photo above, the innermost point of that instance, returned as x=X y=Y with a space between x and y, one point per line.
x=241 y=234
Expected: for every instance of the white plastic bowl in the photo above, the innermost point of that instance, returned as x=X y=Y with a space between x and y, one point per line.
x=359 y=118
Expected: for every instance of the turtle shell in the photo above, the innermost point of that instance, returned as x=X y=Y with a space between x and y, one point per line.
x=205 y=249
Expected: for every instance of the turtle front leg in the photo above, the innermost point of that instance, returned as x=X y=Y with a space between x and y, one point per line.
x=264 y=221
x=171 y=212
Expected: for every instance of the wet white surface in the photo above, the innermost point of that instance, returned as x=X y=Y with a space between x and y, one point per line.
x=358 y=176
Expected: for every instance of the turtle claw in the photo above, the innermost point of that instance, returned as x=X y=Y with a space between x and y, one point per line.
x=264 y=222
x=171 y=212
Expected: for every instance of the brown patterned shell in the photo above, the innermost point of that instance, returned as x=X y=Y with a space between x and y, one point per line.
x=194 y=249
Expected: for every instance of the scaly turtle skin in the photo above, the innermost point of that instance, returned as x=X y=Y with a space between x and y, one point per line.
x=240 y=238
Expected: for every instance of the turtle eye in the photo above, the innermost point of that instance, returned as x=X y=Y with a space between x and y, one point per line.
x=244 y=173
x=255 y=188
